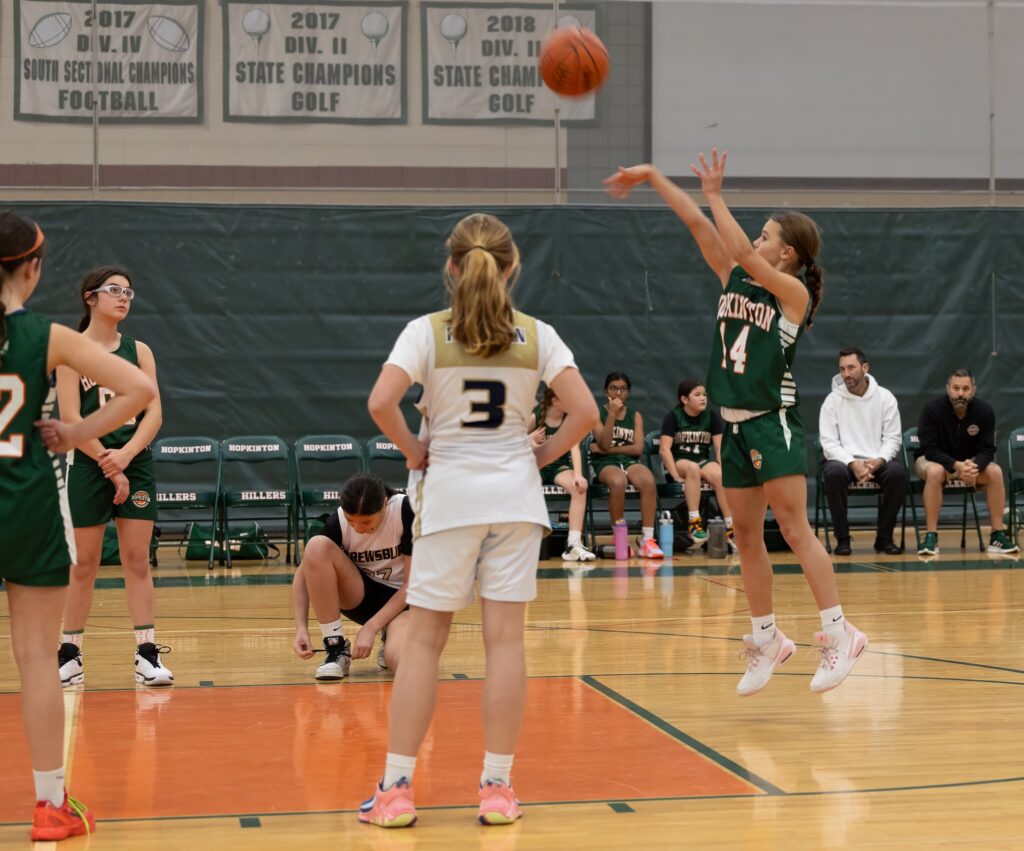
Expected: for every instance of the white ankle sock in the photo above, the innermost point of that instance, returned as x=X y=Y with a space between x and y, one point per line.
x=574 y=538
x=694 y=515
x=763 y=629
x=832 y=621
x=647 y=532
x=397 y=767
x=497 y=766
x=144 y=634
x=728 y=522
x=75 y=637
x=50 y=786
x=332 y=628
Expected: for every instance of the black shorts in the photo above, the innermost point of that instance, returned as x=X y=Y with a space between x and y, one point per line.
x=375 y=596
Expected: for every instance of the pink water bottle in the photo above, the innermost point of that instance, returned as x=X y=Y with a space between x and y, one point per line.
x=620 y=537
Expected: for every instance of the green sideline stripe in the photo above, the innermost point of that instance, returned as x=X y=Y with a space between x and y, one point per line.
x=679 y=735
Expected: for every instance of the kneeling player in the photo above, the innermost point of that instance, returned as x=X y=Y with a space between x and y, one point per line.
x=358 y=566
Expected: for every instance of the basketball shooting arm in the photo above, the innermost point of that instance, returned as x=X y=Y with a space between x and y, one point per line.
x=580 y=416
x=709 y=241
x=384 y=406
x=117 y=460
x=788 y=289
x=72 y=351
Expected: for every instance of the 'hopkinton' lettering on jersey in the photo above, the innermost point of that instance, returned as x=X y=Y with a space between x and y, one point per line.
x=520 y=335
x=690 y=437
x=622 y=436
x=737 y=306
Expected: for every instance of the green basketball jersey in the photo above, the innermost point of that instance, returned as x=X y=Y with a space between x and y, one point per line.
x=92 y=397
x=692 y=438
x=564 y=460
x=31 y=481
x=752 y=349
x=623 y=431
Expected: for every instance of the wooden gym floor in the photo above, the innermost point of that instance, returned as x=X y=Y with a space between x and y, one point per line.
x=633 y=738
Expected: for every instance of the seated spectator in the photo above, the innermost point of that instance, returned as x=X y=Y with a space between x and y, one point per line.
x=687 y=434
x=861 y=436
x=957 y=434
x=615 y=454
x=566 y=473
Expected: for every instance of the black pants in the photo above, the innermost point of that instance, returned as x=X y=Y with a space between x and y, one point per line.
x=891 y=476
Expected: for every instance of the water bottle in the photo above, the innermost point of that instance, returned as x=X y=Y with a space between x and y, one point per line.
x=666 y=533
x=620 y=537
x=718 y=546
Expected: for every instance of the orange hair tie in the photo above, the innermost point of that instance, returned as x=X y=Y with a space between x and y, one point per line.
x=35 y=247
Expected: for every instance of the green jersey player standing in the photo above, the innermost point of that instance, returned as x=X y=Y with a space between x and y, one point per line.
x=770 y=291
x=36 y=545
x=111 y=478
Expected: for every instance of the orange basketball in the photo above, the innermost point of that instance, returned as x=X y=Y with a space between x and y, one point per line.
x=573 y=62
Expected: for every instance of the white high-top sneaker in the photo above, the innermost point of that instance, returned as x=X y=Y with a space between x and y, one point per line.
x=838 y=656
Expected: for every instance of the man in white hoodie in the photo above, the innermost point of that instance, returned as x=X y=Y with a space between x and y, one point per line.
x=861 y=437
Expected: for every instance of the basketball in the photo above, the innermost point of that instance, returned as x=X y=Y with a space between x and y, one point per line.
x=574 y=62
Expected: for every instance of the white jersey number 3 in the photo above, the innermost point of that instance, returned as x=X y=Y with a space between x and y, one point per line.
x=738 y=352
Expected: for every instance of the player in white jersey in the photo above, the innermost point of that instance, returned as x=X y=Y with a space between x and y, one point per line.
x=358 y=566
x=480 y=511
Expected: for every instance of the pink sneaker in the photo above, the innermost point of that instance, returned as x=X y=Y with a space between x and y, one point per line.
x=498 y=804
x=838 y=656
x=648 y=548
x=391 y=808
x=762 y=660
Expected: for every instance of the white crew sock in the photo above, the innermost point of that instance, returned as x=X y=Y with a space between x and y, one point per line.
x=145 y=634
x=332 y=628
x=50 y=786
x=574 y=538
x=497 y=766
x=833 y=622
x=694 y=515
x=75 y=637
x=396 y=768
x=647 y=532
x=763 y=629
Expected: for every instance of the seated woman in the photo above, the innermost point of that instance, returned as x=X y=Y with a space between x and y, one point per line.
x=358 y=566
x=615 y=455
x=687 y=433
x=566 y=473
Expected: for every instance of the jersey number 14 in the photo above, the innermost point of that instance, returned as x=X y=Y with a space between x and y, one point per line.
x=738 y=353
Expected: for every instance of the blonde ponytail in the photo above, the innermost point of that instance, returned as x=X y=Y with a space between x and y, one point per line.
x=482 y=254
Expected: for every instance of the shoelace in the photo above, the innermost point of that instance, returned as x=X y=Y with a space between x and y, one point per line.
x=153 y=656
x=79 y=809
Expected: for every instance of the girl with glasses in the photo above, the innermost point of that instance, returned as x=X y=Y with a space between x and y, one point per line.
x=111 y=478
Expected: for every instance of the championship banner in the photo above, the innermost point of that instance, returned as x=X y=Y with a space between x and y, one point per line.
x=137 y=62
x=342 y=62
x=481 y=64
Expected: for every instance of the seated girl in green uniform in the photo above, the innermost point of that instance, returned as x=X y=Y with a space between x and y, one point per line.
x=615 y=455
x=111 y=477
x=687 y=434
x=566 y=472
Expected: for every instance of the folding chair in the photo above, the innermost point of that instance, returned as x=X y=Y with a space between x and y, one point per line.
x=952 y=486
x=384 y=460
x=671 y=490
x=240 y=456
x=189 y=478
x=1014 y=444
x=322 y=462
x=854 y=489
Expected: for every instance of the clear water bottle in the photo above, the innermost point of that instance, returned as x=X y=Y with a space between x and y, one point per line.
x=666 y=533
x=718 y=545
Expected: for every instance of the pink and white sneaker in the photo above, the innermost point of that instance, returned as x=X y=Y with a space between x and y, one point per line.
x=498 y=804
x=762 y=660
x=838 y=656
x=648 y=548
x=390 y=808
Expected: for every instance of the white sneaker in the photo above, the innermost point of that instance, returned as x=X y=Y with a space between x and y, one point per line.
x=148 y=670
x=762 y=661
x=838 y=656
x=338 y=661
x=577 y=552
x=72 y=672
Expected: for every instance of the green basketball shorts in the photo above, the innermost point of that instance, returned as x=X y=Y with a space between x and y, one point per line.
x=764 y=448
x=91 y=494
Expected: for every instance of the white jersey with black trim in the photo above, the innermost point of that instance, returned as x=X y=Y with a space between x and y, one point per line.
x=380 y=554
x=475 y=416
